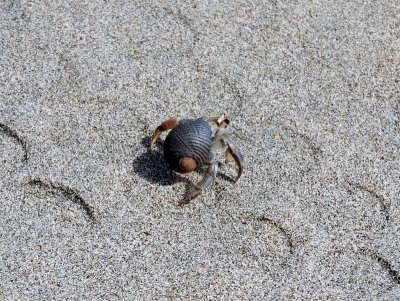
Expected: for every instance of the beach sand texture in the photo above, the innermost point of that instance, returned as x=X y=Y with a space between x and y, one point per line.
x=312 y=92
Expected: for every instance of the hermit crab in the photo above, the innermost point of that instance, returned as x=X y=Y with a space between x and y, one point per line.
x=194 y=142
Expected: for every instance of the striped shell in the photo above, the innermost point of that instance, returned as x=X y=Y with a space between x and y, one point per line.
x=190 y=138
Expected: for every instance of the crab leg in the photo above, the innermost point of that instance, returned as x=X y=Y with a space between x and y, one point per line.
x=165 y=126
x=233 y=151
x=203 y=183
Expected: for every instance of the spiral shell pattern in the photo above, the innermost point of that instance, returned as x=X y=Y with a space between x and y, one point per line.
x=190 y=138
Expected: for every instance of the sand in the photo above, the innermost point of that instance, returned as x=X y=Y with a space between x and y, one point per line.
x=312 y=92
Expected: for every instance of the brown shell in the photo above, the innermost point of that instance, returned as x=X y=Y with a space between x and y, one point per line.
x=187 y=164
x=189 y=139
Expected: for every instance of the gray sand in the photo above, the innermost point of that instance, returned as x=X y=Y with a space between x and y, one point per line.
x=312 y=90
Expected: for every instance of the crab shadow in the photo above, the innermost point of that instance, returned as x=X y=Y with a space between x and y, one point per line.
x=152 y=167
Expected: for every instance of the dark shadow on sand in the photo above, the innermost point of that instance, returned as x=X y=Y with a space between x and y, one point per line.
x=152 y=167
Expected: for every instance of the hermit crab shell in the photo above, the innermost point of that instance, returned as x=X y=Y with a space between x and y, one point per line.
x=187 y=145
